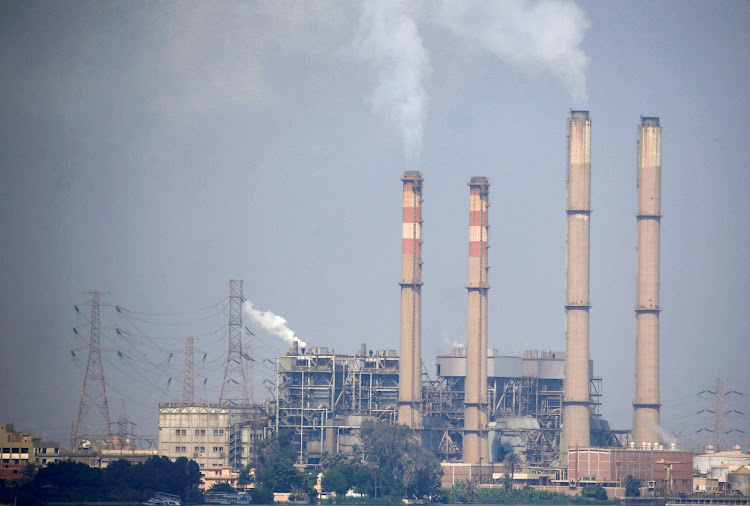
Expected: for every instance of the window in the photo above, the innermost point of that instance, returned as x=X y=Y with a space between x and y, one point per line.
x=203 y=448
x=218 y=432
x=219 y=449
x=6 y=450
x=180 y=449
x=203 y=465
x=24 y=450
x=197 y=449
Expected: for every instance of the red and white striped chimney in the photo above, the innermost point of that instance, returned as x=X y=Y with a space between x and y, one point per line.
x=475 y=444
x=410 y=361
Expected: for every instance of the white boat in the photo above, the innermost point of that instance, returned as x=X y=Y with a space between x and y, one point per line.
x=164 y=499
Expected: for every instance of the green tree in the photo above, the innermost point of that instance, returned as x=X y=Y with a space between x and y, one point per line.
x=335 y=481
x=222 y=488
x=632 y=486
x=594 y=492
x=261 y=495
x=512 y=461
x=394 y=451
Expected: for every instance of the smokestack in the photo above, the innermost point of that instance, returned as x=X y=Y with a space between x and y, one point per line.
x=646 y=405
x=475 y=447
x=410 y=361
x=576 y=424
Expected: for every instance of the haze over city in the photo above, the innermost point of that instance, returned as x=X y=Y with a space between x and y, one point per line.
x=154 y=151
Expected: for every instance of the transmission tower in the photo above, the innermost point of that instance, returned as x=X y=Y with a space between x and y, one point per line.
x=234 y=388
x=189 y=376
x=94 y=391
x=125 y=430
x=719 y=427
x=188 y=383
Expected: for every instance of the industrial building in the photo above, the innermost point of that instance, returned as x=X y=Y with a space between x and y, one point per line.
x=481 y=404
x=324 y=397
x=660 y=471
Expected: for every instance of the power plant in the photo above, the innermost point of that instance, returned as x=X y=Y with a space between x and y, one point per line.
x=481 y=404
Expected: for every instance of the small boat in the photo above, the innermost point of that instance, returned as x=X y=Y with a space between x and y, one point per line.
x=164 y=499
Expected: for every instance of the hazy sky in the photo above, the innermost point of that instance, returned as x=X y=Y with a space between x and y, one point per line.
x=156 y=150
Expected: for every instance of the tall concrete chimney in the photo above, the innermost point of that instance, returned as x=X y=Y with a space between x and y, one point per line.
x=475 y=445
x=576 y=424
x=646 y=404
x=410 y=361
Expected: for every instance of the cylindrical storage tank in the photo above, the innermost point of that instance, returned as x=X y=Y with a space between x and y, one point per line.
x=739 y=481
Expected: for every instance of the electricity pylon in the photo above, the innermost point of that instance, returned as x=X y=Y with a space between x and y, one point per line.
x=234 y=387
x=94 y=391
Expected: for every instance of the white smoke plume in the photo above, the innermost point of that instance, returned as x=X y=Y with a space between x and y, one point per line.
x=533 y=36
x=387 y=38
x=271 y=322
x=665 y=436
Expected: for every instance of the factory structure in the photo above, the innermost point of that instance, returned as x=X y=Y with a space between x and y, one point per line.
x=481 y=404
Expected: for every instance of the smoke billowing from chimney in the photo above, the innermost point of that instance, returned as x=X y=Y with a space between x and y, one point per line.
x=387 y=38
x=536 y=37
x=271 y=322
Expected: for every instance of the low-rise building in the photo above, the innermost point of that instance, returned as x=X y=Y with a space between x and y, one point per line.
x=19 y=449
x=663 y=471
x=704 y=485
x=218 y=474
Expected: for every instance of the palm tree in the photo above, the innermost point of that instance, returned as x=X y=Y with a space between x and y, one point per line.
x=511 y=461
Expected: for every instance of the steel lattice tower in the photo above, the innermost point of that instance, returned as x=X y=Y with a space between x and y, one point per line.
x=94 y=391
x=125 y=431
x=719 y=426
x=188 y=382
x=234 y=388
